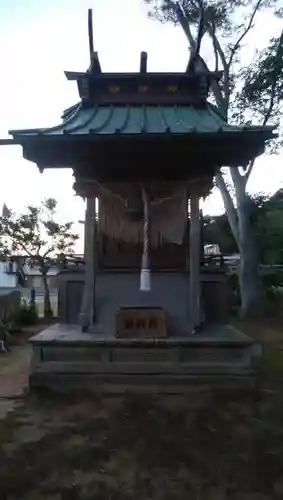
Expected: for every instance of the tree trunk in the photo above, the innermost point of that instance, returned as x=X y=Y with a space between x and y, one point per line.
x=251 y=288
x=252 y=291
x=47 y=304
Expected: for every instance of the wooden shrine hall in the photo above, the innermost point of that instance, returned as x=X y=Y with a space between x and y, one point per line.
x=144 y=307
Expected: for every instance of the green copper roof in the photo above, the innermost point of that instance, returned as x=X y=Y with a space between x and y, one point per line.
x=108 y=120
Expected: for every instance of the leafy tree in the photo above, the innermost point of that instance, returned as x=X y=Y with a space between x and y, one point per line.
x=37 y=235
x=249 y=91
x=267 y=224
x=268 y=227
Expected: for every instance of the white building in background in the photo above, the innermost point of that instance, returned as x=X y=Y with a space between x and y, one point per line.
x=13 y=275
x=8 y=274
x=212 y=249
x=232 y=261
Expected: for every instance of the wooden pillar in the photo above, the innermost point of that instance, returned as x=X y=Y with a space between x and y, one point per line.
x=201 y=238
x=195 y=230
x=85 y=235
x=87 y=314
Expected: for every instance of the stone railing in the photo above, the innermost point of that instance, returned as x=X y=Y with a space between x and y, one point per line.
x=213 y=261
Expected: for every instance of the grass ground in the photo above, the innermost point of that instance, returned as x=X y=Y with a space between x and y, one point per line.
x=206 y=446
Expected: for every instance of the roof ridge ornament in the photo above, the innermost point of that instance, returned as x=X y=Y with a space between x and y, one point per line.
x=143 y=62
x=95 y=67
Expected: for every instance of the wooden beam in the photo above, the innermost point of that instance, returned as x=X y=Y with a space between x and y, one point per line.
x=87 y=314
x=143 y=63
x=95 y=67
x=95 y=64
x=195 y=236
x=8 y=142
x=90 y=34
x=201 y=236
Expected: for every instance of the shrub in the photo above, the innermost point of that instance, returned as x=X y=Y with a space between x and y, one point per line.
x=273 y=287
x=4 y=336
x=233 y=281
x=273 y=279
x=26 y=315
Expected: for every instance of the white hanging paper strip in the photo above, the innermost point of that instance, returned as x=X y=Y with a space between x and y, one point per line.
x=145 y=284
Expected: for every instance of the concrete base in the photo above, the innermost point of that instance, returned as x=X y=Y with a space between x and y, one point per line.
x=65 y=359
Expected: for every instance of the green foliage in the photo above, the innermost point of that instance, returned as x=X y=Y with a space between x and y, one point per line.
x=266 y=215
x=268 y=227
x=273 y=288
x=27 y=315
x=261 y=91
x=273 y=279
x=233 y=282
x=265 y=72
x=4 y=336
x=37 y=235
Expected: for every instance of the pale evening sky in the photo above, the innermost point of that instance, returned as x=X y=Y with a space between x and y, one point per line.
x=39 y=40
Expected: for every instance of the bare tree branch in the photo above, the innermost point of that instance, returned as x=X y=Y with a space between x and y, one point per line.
x=220 y=51
x=245 y=32
x=239 y=182
x=50 y=250
x=215 y=51
x=23 y=247
x=249 y=169
x=229 y=205
x=184 y=23
x=186 y=28
x=217 y=44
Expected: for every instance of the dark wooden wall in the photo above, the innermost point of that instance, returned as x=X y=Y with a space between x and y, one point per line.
x=119 y=255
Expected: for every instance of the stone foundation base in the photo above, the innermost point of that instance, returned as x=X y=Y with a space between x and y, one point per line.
x=65 y=359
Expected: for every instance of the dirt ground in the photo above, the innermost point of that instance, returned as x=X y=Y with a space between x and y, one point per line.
x=204 y=446
x=14 y=369
x=209 y=447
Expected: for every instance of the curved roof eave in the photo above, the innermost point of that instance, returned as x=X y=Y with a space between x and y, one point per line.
x=110 y=120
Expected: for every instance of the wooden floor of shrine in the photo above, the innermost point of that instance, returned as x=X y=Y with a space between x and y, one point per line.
x=66 y=359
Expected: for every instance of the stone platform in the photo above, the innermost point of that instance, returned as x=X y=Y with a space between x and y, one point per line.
x=65 y=359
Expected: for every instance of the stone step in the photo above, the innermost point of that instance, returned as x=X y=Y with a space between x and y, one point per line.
x=157 y=384
x=142 y=368
x=141 y=354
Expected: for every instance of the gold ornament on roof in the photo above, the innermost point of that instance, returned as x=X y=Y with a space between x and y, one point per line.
x=172 y=88
x=114 y=89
